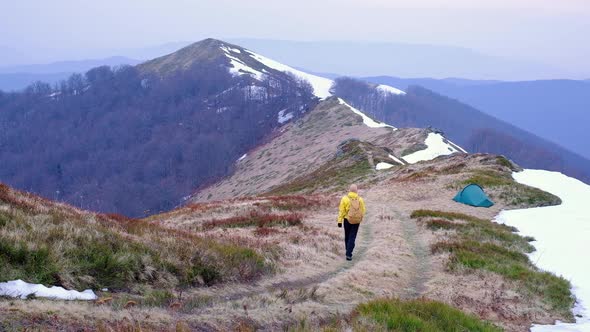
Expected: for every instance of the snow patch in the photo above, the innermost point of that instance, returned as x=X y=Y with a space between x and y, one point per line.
x=390 y=89
x=321 y=85
x=436 y=146
x=238 y=67
x=561 y=233
x=457 y=147
x=284 y=117
x=382 y=165
x=19 y=288
x=396 y=159
x=367 y=120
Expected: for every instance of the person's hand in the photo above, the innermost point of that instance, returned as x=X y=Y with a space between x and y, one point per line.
x=339 y=225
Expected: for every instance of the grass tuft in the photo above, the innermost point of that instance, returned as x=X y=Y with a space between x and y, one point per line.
x=420 y=315
x=503 y=161
x=485 y=245
x=444 y=215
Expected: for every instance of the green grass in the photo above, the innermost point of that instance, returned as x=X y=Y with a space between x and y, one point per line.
x=510 y=191
x=445 y=215
x=17 y=260
x=513 y=265
x=388 y=314
x=502 y=161
x=83 y=250
x=522 y=195
x=488 y=178
x=476 y=229
x=420 y=315
x=481 y=244
x=4 y=219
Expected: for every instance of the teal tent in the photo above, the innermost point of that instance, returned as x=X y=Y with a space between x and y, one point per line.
x=473 y=195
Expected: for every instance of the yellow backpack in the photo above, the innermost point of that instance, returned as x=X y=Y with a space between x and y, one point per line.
x=355 y=214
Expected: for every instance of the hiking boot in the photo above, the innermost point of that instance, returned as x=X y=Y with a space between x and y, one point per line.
x=348 y=258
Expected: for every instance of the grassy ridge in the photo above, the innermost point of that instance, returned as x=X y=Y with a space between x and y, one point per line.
x=53 y=245
x=481 y=244
x=350 y=165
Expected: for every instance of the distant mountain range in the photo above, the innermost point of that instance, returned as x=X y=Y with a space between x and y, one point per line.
x=19 y=76
x=352 y=58
x=557 y=110
x=137 y=139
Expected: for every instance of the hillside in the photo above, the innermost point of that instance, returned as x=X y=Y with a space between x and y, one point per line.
x=555 y=110
x=136 y=140
x=470 y=128
x=304 y=146
x=279 y=263
x=132 y=140
x=56 y=244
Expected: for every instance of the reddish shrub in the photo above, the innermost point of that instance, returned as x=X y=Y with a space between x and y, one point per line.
x=16 y=199
x=256 y=218
x=119 y=217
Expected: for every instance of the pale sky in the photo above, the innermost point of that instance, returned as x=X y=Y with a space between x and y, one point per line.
x=553 y=32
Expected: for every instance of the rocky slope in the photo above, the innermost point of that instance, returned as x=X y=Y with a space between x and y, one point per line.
x=465 y=125
x=305 y=145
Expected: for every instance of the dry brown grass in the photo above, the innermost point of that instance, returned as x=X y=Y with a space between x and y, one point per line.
x=50 y=243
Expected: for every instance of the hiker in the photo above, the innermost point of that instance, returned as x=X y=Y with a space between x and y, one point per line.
x=352 y=210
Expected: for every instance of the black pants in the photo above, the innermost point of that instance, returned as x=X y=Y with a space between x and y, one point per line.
x=350 y=231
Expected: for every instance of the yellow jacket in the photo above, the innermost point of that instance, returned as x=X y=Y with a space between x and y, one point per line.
x=345 y=206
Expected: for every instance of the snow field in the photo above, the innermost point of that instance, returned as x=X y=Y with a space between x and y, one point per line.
x=561 y=233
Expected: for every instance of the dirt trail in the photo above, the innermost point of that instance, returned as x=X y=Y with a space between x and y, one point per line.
x=391 y=259
x=363 y=243
x=422 y=270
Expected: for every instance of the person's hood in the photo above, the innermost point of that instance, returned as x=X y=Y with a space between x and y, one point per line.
x=352 y=195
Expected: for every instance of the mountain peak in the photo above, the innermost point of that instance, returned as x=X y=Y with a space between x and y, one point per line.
x=205 y=51
x=238 y=60
x=211 y=44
